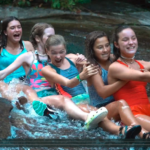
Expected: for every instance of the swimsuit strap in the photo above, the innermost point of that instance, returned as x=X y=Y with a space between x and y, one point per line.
x=141 y=66
x=122 y=63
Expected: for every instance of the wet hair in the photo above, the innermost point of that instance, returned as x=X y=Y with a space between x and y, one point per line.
x=38 y=30
x=116 y=51
x=55 y=40
x=89 y=44
x=3 y=37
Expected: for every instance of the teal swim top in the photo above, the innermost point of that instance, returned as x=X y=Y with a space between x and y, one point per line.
x=70 y=73
x=95 y=99
x=6 y=59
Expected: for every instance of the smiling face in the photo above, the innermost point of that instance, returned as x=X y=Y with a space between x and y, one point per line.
x=127 y=43
x=102 y=49
x=57 y=54
x=14 y=31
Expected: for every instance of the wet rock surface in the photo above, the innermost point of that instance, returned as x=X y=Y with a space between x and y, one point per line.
x=5 y=107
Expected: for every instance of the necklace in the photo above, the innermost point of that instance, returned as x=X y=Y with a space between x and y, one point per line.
x=126 y=58
x=43 y=55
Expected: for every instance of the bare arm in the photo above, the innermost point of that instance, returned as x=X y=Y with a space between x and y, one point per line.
x=78 y=59
x=24 y=58
x=120 y=72
x=105 y=90
x=53 y=77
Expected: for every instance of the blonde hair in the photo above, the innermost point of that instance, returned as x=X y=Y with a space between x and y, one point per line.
x=55 y=40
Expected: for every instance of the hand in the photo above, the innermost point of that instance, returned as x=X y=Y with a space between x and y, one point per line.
x=89 y=71
x=80 y=58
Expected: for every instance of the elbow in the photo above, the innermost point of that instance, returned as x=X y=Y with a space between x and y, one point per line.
x=102 y=94
x=2 y=76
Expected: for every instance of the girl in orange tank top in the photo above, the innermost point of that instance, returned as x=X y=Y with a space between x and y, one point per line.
x=126 y=68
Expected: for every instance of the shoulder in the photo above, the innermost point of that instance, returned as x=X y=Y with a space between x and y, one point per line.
x=48 y=68
x=115 y=66
x=27 y=57
x=146 y=64
x=143 y=62
x=72 y=57
x=28 y=45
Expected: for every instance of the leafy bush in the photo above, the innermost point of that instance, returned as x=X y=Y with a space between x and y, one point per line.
x=23 y=3
x=58 y=4
x=67 y=4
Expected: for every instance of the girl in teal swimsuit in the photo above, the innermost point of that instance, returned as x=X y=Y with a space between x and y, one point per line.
x=11 y=47
x=33 y=62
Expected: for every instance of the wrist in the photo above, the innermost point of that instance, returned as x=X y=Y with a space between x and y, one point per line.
x=78 y=77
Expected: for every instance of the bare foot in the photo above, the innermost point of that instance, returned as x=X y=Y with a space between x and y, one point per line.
x=21 y=101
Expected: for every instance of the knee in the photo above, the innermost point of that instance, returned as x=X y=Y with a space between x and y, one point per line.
x=123 y=103
x=61 y=101
x=27 y=89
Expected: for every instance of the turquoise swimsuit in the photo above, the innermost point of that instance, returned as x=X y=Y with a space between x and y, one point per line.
x=78 y=93
x=95 y=99
x=6 y=59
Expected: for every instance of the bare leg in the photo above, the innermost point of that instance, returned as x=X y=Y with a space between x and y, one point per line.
x=3 y=89
x=109 y=126
x=144 y=121
x=30 y=93
x=86 y=108
x=120 y=109
x=67 y=105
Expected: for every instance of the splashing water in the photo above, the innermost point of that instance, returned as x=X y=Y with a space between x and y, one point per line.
x=31 y=126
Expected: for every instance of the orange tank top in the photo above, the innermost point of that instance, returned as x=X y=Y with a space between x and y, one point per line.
x=134 y=92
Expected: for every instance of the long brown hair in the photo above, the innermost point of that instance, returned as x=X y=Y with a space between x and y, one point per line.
x=3 y=37
x=38 y=30
x=89 y=44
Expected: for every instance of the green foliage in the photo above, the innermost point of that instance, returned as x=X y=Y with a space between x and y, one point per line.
x=67 y=4
x=23 y=3
x=57 y=4
x=82 y=1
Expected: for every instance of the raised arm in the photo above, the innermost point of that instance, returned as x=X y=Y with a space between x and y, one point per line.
x=78 y=59
x=53 y=77
x=105 y=90
x=24 y=58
